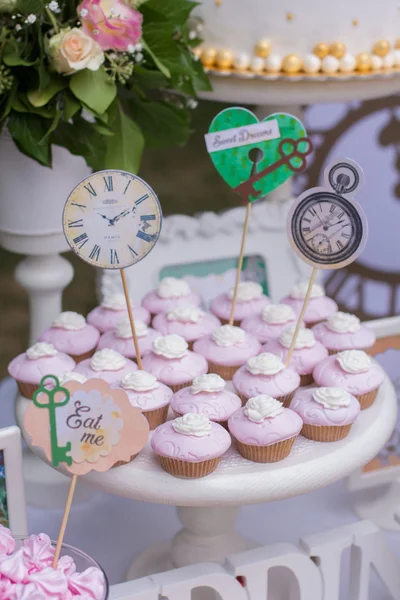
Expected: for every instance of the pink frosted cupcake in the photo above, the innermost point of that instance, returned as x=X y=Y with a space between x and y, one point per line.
x=266 y=374
x=171 y=292
x=265 y=431
x=250 y=300
x=121 y=340
x=354 y=371
x=106 y=364
x=190 y=446
x=343 y=331
x=319 y=308
x=39 y=360
x=306 y=355
x=227 y=349
x=70 y=333
x=172 y=363
x=206 y=396
x=113 y=308
x=148 y=394
x=187 y=321
x=327 y=413
x=269 y=324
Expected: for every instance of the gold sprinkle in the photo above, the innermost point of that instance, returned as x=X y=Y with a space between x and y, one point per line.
x=289 y=16
x=355 y=22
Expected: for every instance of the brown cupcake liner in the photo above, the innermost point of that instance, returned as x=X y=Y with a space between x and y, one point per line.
x=27 y=389
x=119 y=463
x=236 y=322
x=266 y=454
x=157 y=416
x=286 y=400
x=225 y=372
x=366 y=400
x=325 y=433
x=188 y=470
x=310 y=325
x=79 y=357
x=307 y=379
x=179 y=386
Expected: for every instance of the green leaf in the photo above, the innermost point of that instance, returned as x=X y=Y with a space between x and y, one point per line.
x=93 y=88
x=20 y=104
x=174 y=11
x=41 y=97
x=28 y=7
x=124 y=149
x=161 y=123
x=164 y=70
x=71 y=106
x=80 y=138
x=28 y=131
x=13 y=58
x=148 y=80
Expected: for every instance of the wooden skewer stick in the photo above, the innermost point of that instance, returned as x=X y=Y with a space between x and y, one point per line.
x=65 y=520
x=240 y=263
x=131 y=320
x=300 y=319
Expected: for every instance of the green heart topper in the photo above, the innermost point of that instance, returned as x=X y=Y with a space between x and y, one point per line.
x=234 y=163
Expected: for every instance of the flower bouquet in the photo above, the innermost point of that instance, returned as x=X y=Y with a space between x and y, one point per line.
x=101 y=77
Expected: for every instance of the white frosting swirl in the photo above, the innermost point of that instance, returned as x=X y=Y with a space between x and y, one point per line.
x=299 y=291
x=208 y=383
x=185 y=314
x=305 y=338
x=139 y=381
x=228 y=335
x=332 y=397
x=107 y=360
x=170 y=346
x=265 y=363
x=114 y=302
x=40 y=350
x=193 y=424
x=342 y=322
x=354 y=361
x=262 y=407
x=124 y=330
x=71 y=376
x=247 y=290
x=70 y=320
x=170 y=287
x=276 y=314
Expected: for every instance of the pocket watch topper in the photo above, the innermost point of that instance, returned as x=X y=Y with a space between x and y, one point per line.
x=112 y=219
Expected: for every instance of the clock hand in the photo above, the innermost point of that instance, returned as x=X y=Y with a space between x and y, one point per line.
x=118 y=217
x=104 y=217
x=337 y=231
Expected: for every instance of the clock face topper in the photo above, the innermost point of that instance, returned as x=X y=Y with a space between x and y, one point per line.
x=112 y=219
x=326 y=227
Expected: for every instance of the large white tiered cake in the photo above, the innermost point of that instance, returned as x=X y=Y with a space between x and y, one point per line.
x=311 y=36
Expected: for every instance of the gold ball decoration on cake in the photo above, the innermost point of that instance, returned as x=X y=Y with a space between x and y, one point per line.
x=381 y=48
x=262 y=48
x=289 y=16
x=397 y=44
x=337 y=49
x=321 y=50
x=292 y=64
x=208 y=57
x=355 y=22
x=224 y=59
x=363 y=62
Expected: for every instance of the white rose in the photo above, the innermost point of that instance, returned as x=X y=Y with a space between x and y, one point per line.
x=262 y=407
x=40 y=350
x=276 y=314
x=170 y=287
x=208 y=383
x=265 y=363
x=305 y=338
x=341 y=322
x=72 y=50
x=332 y=397
x=114 y=302
x=185 y=314
x=299 y=291
x=228 y=335
x=139 y=381
x=123 y=329
x=69 y=320
x=247 y=290
x=354 y=361
x=193 y=424
x=71 y=376
x=107 y=360
x=170 y=346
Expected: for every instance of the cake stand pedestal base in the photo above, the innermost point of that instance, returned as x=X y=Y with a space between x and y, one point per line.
x=380 y=505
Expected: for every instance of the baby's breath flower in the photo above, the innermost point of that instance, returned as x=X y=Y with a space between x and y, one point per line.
x=54 y=6
x=83 y=12
x=30 y=19
x=191 y=103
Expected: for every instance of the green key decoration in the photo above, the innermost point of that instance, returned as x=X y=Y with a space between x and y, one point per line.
x=280 y=141
x=50 y=387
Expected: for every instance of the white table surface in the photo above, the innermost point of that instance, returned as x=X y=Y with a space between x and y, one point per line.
x=111 y=528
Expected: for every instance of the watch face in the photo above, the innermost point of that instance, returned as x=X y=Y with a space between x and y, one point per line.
x=112 y=219
x=327 y=230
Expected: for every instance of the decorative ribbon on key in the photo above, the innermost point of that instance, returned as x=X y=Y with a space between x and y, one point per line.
x=84 y=427
x=255 y=157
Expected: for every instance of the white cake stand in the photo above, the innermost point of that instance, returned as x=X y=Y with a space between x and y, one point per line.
x=207 y=508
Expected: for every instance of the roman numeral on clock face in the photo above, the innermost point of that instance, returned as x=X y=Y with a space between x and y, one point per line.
x=132 y=251
x=95 y=252
x=347 y=236
x=339 y=244
x=127 y=185
x=148 y=217
x=144 y=236
x=81 y=206
x=142 y=199
x=90 y=189
x=108 y=182
x=81 y=240
x=114 y=260
x=77 y=223
x=313 y=212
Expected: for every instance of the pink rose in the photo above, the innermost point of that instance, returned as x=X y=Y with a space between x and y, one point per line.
x=113 y=24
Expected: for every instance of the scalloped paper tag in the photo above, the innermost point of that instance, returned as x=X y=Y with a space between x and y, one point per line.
x=86 y=427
